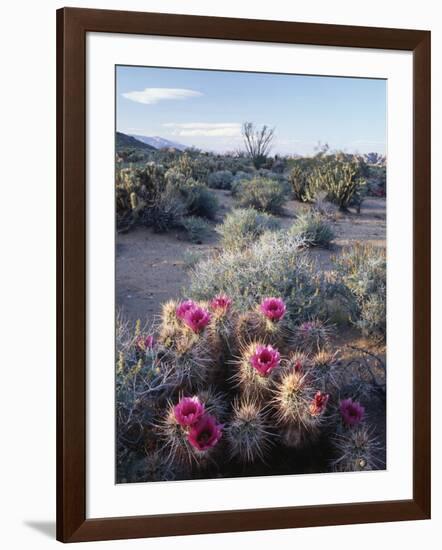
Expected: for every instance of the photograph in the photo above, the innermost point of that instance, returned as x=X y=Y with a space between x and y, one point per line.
x=250 y=274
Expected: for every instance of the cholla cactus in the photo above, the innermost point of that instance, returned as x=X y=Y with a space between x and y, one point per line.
x=357 y=449
x=248 y=432
x=255 y=369
x=312 y=336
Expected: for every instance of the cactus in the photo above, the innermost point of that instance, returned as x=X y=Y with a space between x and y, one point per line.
x=312 y=336
x=299 y=181
x=189 y=442
x=248 y=433
x=340 y=179
x=300 y=407
x=357 y=449
x=255 y=370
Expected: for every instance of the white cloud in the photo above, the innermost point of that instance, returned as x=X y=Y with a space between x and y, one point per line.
x=207 y=129
x=150 y=96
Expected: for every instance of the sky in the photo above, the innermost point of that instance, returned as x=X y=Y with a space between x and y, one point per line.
x=206 y=109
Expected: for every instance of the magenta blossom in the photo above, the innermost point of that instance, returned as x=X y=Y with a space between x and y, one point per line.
x=145 y=342
x=188 y=411
x=205 y=434
x=221 y=302
x=196 y=318
x=184 y=307
x=273 y=308
x=351 y=411
x=307 y=327
x=318 y=404
x=265 y=359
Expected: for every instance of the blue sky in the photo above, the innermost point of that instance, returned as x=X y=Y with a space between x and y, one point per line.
x=206 y=108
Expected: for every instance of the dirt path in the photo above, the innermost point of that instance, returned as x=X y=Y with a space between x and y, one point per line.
x=151 y=268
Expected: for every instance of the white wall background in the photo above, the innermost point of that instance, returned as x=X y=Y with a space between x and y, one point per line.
x=27 y=288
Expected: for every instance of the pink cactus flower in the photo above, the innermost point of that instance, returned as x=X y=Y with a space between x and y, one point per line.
x=273 y=308
x=196 y=318
x=265 y=359
x=188 y=411
x=351 y=411
x=184 y=307
x=145 y=342
x=298 y=365
x=307 y=327
x=221 y=302
x=205 y=434
x=319 y=403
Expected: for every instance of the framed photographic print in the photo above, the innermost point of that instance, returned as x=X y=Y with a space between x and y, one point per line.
x=243 y=274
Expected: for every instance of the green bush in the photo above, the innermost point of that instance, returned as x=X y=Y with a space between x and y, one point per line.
x=362 y=283
x=198 y=199
x=197 y=228
x=314 y=229
x=222 y=179
x=275 y=265
x=263 y=194
x=242 y=227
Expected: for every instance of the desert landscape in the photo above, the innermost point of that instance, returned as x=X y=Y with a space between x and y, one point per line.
x=251 y=325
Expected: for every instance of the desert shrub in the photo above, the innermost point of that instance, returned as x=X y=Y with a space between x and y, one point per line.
x=198 y=199
x=362 y=283
x=197 y=228
x=165 y=213
x=140 y=386
x=242 y=227
x=222 y=179
x=265 y=195
x=191 y=257
x=314 y=228
x=275 y=265
x=238 y=179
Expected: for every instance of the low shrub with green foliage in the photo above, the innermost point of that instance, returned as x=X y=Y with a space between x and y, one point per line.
x=244 y=226
x=314 y=228
x=198 y=199
x=197 y=228
x=263 y=194
x=221 y=179
x=362 y=283
x=275 y=265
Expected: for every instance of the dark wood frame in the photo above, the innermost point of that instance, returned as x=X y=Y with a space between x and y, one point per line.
x=72 y=26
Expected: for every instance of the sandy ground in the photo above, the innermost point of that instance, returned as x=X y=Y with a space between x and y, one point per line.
x=151 y=268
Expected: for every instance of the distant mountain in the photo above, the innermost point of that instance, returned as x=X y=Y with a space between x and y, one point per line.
x=159 y=142
x=124 y=141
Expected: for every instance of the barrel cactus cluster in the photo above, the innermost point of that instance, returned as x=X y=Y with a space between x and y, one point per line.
x=216 y=391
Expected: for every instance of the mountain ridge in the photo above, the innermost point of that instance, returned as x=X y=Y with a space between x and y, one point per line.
x=159 y=142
